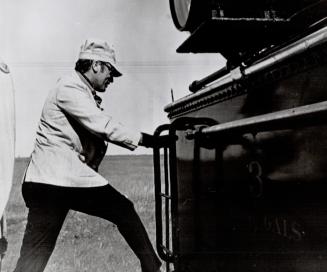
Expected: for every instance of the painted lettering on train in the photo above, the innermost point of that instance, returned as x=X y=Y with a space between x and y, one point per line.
x=284 y=227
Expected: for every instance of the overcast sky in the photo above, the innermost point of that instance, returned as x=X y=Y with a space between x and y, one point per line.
x=40 y=40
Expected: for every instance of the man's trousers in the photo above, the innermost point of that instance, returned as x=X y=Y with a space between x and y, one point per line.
x=48 y=206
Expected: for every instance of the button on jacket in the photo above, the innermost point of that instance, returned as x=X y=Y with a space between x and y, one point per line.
x=72 y=137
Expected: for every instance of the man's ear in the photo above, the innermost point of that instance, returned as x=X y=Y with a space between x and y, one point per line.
x=96 y=66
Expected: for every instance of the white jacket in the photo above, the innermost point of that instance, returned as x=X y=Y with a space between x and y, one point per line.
x=72 y=137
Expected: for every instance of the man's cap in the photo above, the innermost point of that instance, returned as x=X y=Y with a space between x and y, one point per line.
x=95 y=49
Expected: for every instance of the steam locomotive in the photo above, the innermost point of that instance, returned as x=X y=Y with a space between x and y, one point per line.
x=242 y=184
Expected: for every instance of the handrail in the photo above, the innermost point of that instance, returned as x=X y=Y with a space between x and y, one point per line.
x=296 y=48
x=198 y=84
x=163 y=250
x=308 y=115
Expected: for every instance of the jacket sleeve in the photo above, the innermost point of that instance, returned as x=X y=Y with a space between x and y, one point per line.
x=79 y=104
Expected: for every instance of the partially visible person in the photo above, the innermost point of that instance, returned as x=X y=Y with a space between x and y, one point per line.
x=71 y=142
x=7 y=147
x=7 y=134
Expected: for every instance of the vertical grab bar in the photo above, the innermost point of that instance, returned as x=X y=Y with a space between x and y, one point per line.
x=164 y=250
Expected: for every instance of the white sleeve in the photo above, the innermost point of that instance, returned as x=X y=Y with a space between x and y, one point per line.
x=77 y=103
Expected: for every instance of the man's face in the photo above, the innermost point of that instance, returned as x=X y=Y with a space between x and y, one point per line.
x=103 y=77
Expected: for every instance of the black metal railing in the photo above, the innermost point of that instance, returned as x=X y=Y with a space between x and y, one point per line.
x=169 y=194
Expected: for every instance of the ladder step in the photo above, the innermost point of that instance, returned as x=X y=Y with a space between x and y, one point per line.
x=165 y=195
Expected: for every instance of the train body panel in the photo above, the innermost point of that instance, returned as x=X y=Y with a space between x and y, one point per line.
x=248 y=171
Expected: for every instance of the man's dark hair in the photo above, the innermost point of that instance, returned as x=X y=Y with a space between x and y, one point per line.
x=83 y=65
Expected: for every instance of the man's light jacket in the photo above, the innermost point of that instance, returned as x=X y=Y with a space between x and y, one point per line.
x=72 y=137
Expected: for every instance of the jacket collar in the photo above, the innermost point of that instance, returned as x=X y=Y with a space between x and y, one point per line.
x=86 y=81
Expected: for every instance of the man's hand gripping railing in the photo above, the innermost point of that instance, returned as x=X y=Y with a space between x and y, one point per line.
x=148 y=140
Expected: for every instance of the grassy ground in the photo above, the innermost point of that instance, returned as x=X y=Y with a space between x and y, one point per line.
x=87 y=243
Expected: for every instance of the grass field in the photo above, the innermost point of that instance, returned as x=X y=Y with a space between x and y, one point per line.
x=87 y=243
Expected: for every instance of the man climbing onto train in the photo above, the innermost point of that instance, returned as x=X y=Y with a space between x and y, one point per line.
x=71 y=141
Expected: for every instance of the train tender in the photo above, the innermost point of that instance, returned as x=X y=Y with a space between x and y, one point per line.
x=243 y=184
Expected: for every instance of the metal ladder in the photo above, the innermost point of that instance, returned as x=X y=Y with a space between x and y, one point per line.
x=166 y=192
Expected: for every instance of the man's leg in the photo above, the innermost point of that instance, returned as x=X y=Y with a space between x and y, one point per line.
x=106 y=202
x=43 y=226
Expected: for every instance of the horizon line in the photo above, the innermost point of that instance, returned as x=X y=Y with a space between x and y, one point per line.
x=110 y=155
x=65 y=64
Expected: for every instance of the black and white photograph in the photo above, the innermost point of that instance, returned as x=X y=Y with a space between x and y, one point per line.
x=163 y=136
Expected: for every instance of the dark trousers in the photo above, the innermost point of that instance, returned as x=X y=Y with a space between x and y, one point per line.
x=48 y=206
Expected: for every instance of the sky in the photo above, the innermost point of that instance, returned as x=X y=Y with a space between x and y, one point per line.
x=40 y=40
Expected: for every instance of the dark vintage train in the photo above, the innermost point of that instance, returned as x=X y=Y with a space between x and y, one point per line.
x=242 y=185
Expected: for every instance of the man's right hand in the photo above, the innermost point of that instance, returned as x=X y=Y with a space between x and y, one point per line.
x=148 y=140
